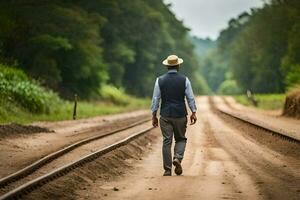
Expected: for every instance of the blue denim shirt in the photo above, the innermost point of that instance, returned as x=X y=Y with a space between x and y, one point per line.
x=188 y=94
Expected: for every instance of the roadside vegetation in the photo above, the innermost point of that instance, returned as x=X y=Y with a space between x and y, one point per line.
x=79 y=46
x=107 y=52
x=265 y=101
x=258 y=51
x=24 y=100
x=114 y=57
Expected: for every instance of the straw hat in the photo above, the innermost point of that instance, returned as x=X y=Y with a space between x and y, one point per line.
x=172 y=60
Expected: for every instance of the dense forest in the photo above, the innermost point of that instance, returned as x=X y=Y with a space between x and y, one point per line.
x=79 y=46
x=259 y=50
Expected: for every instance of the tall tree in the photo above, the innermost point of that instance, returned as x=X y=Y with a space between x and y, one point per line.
x=77 y=46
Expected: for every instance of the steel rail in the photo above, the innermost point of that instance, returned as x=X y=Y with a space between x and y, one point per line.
x=271 y=130
x=61 y=171
x=46 y=159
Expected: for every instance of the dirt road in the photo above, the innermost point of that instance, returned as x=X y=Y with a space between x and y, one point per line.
x=225 y=159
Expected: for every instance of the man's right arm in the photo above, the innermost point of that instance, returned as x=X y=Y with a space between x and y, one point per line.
x=155 y=103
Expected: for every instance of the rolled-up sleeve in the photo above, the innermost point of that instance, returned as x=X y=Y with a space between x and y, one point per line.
x=156 y=97
x=190 y=95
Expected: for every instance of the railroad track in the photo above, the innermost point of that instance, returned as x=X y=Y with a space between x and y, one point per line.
x=16 y=192
x=282 y=134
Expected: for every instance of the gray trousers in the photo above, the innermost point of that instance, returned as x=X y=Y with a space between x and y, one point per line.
x=170 y=127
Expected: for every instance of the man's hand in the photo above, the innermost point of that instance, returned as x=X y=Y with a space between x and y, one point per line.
x=154 y=121
x=193 y=118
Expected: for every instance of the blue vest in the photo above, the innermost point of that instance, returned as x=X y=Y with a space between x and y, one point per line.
x=172 y=88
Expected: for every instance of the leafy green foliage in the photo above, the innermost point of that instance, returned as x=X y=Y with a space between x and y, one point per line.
x=23 y=100
x=260 y=48
x=229 y=87
x=78 y=46
x=16 y=87
x=200 y=85
x=115 y=95
x=290 y=63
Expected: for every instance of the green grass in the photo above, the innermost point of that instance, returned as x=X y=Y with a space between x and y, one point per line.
x=265 y=101
x=10 y=112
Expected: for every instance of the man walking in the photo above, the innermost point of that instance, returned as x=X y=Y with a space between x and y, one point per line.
x=172 y=88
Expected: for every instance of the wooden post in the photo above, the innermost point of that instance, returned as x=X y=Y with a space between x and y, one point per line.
x=252 y=98
x=75 y=107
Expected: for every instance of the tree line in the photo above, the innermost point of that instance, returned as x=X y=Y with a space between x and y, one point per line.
x=259 y=50
x=74 y=46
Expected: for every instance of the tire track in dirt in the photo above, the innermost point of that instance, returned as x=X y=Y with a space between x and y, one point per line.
x=272 y=162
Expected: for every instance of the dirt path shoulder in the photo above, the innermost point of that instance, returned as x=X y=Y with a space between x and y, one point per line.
x=285 y=125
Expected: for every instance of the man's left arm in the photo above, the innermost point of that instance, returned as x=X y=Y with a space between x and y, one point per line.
x=191 y=100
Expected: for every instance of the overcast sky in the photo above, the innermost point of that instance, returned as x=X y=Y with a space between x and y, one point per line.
x=206 y=18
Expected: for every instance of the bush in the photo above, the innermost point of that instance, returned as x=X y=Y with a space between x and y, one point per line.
x=292 y=79
x=229 y=87
x=16 y=87
x=200 y=85
x=115 y=95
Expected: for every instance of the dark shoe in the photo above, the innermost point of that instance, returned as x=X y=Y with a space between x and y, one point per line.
x=178 y=168
x=167 y=173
